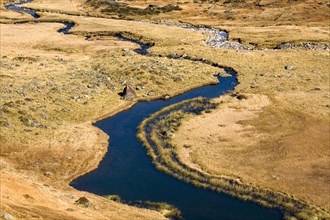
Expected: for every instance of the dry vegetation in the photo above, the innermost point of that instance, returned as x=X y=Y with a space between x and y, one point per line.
x=284 y=134
x=53 y=86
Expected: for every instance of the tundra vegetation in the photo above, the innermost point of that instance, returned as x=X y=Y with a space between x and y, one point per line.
x=53 y=86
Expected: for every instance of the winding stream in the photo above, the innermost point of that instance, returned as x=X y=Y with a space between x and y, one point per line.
x=17 y=7
x=127 y=171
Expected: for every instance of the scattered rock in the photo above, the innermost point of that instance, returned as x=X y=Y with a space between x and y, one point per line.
x=177 y=78
x=48 y=174
x=4 y=109
x=229 y=11
x=241 y=96
x=4 y=124
x=7 y=216
x=84 y=201
x=167 y=134
x=289 y=67
x=166 y=97
x=27 y=196
x=131 y=53
x=75 y=97
x=69 y=209
x=303 y=45
x=61 y=60
x=69 y=196
x=224 y=75
x=128 y=93
x=31 y=123
x=138 y=87
x=151 y=93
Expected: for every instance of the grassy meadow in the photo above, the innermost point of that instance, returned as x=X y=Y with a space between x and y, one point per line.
x=53 y=86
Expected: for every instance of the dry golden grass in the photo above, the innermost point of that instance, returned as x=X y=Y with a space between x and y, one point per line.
x=261 y=23
x=64 y=82
x=38 y=81
x=272 y=36
x=64 y=5
x=52 y=87
x=283 y=145
x=245 y=12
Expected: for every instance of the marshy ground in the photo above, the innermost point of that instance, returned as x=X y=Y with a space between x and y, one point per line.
x=54 y=85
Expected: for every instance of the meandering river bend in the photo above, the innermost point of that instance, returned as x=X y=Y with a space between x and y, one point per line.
x=127 y=171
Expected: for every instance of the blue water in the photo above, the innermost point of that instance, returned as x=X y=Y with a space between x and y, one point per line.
x=67 y=28
x=127 y=171
x=17 y=7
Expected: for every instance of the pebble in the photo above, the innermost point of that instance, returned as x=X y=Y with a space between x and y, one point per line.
x=7 y=216
x=84 y=201
x=289 y=67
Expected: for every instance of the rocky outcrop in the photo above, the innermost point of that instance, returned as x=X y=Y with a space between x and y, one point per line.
x=84 y=202
x=128 y=93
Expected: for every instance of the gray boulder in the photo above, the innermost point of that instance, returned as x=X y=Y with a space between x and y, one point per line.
x=128 y=93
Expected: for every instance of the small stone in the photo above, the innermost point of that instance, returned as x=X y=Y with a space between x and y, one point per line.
x=168 y=134
x=241 y=97
x=31 y=123
x=177 y=78
x=48 y=174
x=131 y=53
x=229 y=11
x=166 y=97
x=75 y=97
x=289 y=67
x=4 y=124
x=7 y=216
x=69 y=209
x=151 y=93
x=84 y=201
x=69 y=196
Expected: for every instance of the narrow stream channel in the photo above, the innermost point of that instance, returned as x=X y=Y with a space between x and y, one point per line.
x=17 y=7
x=127 y=171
